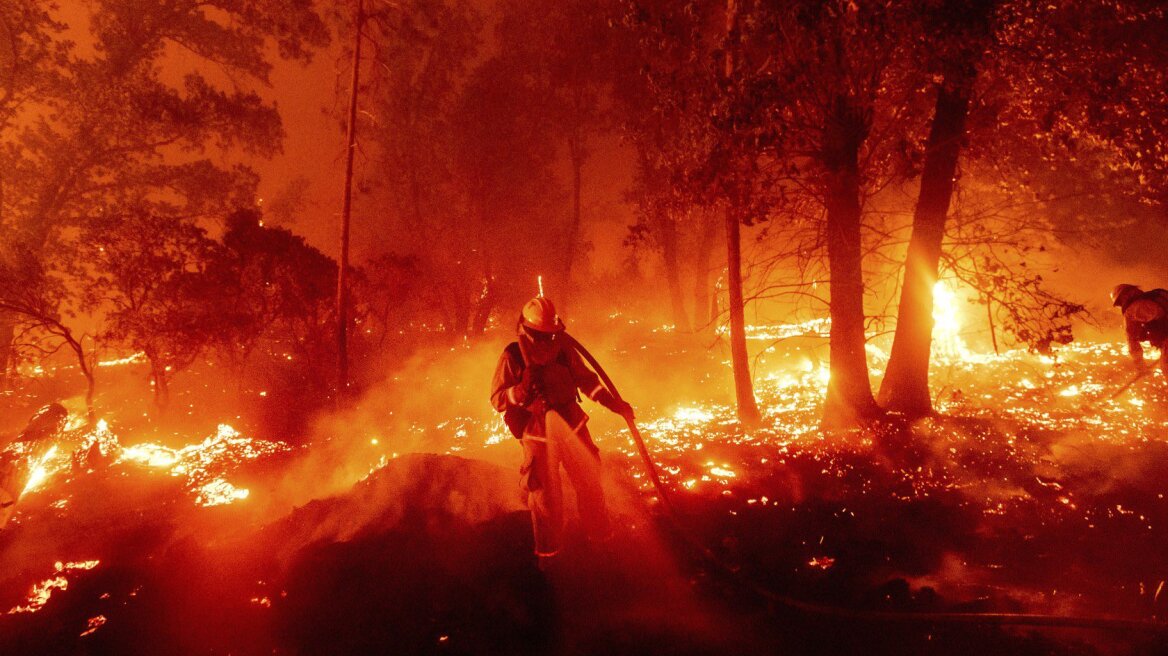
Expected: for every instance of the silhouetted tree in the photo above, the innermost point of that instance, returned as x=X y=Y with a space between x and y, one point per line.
x=959 y=33
x=162 y=280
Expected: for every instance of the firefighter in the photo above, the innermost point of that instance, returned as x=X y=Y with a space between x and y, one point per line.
x=537 y=386
x=1145 y=318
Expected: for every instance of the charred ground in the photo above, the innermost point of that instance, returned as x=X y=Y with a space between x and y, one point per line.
x=1052 y=506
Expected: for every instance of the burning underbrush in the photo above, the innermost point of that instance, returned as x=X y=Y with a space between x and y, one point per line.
x=399 y=525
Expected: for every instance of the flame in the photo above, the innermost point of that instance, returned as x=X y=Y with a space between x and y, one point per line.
x=93 y=624
x=202 y=464
x=947 y=342
x=150 y=455
x=691 y=415
x=129 y=359
x=219 y=492
x=42 y=591
x=40 y=472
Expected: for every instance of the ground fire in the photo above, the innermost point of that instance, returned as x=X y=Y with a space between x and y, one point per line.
x=593 y=326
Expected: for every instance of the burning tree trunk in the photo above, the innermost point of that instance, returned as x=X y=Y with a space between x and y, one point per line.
x=669 y=255
x=346 y=211
x=967 y=28
x=748 y=413
x=906 y=383
x=849 y=392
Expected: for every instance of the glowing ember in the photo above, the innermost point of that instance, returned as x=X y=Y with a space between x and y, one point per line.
x=693 y=415
x=150 y=455
x=40 y=595
x=42 y=591
x=821 y=562
x=202 y=465
x=219 y=492
x=94 y=624
x=723 y=471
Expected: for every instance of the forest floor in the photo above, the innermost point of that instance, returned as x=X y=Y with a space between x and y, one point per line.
x=398 y=526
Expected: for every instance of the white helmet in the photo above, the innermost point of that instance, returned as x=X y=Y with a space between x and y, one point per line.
x=539 y=314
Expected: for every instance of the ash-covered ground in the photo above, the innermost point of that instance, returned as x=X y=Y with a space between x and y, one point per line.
x=397 y=526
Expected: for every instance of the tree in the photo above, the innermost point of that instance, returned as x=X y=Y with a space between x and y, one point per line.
x=830 y=69
x=30 y=59
x=1065 y=114
x=660 y=216
x=421 y=52
x=108 y=127
x=35 y=300
x=567 y=49
x=694 y=100
x=278 y=295
x=962 y=32
x=162 y=281
x=501 y=235
x=347 y=207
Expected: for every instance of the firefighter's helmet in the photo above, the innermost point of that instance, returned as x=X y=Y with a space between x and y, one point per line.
x=539 y=314
x=1122 y=294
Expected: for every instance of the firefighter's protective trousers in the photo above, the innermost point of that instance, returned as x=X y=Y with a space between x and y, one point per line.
x=562 y=447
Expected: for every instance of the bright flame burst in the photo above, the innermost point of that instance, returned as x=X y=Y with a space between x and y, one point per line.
x=947 y=342
x=39 y=472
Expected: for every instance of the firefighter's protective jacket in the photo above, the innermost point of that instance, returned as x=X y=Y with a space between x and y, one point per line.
x=1146 y=319
x=560 y=380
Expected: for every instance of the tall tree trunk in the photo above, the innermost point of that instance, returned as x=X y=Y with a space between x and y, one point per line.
x=704 y=317
x=669 y=255
x=906 y=382
x=849 y=392
x=346 y=212
x=748 y=413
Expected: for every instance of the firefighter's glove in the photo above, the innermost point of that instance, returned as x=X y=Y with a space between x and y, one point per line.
x=619 y=406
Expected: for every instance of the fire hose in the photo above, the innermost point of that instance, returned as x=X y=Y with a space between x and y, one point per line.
x=734 y=573
x=1135 y=379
